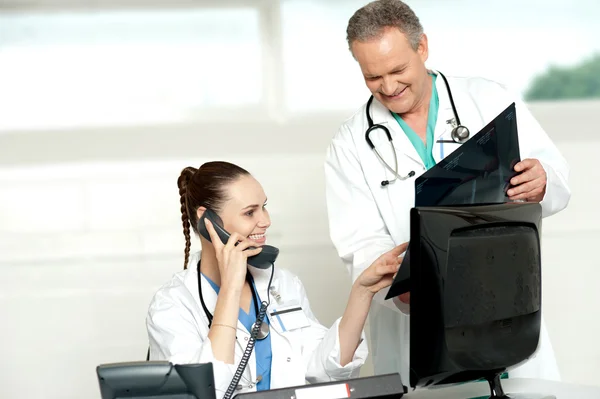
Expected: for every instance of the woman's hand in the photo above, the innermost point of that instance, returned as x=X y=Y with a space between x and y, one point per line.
x=232 y=257
x=232 y=262
x=382 y=271
x=374 y=278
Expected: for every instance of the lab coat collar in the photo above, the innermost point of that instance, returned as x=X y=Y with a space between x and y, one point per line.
x=261 y=281
x=445 y=108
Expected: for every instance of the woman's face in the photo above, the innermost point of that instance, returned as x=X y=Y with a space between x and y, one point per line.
x=244 y=210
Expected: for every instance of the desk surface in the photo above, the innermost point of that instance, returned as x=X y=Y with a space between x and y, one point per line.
x=561 y=390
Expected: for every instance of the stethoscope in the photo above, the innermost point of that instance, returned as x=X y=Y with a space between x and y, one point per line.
x=459 y=135
x=264 y=327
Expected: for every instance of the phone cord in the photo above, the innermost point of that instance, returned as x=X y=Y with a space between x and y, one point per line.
x=244 y=361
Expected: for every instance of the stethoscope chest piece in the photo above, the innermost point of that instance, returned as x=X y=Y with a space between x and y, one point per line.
x=263 y=332
x=460 y=134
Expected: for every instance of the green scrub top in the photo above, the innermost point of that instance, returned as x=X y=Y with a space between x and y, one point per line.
x=424 y=150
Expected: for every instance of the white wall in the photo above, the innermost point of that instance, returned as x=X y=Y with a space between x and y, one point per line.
x=84 y=245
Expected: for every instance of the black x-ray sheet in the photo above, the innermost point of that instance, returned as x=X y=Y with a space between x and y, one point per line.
x=479 y=171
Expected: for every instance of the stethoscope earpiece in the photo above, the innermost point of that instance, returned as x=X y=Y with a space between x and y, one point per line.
x=386 y=182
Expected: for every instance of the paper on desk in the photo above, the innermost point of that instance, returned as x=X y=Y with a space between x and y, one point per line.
x=479 y=171
x=337 y=391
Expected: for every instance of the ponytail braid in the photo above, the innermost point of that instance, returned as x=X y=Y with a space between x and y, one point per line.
x=182 y=183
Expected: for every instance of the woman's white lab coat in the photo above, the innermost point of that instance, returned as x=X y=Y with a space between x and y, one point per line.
x=366 y=219
x=178 y=332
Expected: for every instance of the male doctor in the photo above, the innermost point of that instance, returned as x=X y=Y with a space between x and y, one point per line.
x=367 y=218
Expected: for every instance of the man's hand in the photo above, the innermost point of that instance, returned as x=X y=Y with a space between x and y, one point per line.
x=530 y=183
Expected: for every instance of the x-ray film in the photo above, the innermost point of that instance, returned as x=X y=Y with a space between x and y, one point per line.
x=479 y=171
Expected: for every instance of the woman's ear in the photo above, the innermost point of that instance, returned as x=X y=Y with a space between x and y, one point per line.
x=200 y=212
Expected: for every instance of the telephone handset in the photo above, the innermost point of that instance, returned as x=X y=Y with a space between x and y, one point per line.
x=263 y=260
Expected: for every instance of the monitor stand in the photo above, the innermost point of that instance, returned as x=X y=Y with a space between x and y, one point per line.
x=498 y=392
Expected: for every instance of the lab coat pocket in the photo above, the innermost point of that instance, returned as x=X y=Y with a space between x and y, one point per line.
x=288 y=317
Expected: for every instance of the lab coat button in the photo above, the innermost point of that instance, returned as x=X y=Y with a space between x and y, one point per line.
x=289 y=359
x=245 y=338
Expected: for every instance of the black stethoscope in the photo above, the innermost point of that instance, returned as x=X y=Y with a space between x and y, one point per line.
x=264 y=327
x=459 y=135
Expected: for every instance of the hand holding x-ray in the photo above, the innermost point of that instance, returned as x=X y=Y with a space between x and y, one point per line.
x=530 y=183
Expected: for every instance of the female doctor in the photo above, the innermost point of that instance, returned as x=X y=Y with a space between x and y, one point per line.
x=205 y=313
x=413 y=120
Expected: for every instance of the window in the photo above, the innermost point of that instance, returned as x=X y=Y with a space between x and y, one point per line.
x=506 y=41
x=85 y=69
x=320 y=73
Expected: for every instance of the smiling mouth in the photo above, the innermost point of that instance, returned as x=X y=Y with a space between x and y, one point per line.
x=256 y=237
x=396 y=95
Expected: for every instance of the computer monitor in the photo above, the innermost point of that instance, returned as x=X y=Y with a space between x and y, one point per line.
x=156 y=380
x=475 y=292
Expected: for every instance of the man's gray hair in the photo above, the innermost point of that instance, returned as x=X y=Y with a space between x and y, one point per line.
x=369 y=22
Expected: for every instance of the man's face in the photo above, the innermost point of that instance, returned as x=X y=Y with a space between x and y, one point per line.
x=394 y=72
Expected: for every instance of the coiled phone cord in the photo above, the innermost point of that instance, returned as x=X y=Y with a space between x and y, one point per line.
x=248 y=351
x=250 y=347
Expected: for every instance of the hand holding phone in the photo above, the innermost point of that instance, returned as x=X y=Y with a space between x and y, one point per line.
x=232 y=256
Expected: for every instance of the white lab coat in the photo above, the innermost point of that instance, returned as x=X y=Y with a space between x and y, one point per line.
x=178 y=331
x=366 y=220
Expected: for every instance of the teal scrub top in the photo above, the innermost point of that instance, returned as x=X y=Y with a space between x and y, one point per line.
x=425 y=151
x=262 y=347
